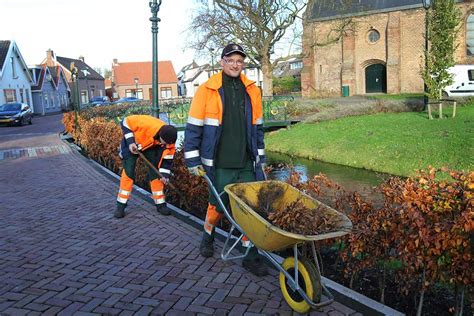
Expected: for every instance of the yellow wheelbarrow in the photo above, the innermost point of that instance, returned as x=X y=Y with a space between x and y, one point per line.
x=300 y=278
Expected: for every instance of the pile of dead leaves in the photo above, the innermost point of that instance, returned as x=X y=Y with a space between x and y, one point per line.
x=294 y=217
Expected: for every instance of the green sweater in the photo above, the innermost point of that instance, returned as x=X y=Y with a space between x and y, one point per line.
x=232 y=149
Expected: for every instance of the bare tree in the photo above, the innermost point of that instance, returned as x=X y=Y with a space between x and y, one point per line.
x=257 y=25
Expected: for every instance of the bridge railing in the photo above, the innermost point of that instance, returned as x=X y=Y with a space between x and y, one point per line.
x=175 y=111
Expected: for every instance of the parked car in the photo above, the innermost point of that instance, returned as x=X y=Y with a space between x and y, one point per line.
x=126 y=100
x=15 y=113
x=99 y=100
x=463 y=82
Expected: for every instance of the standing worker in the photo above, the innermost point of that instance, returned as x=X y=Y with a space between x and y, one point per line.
x=157 y=142
x=224 y=139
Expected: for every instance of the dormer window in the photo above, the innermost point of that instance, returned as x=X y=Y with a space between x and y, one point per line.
x=296 y=65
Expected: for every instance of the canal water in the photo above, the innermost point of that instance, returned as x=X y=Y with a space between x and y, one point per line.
x=351 y=179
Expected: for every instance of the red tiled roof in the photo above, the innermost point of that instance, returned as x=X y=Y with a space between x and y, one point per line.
x=125 y=73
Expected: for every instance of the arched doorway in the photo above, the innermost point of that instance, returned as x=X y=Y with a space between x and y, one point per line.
x=376 y=79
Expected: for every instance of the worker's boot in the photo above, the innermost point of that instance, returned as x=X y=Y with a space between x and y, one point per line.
x=163 y=209
x=207 y=245
x=120 y=211
x=255 y=263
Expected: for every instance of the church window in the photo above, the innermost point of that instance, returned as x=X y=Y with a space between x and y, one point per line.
x=374 y=36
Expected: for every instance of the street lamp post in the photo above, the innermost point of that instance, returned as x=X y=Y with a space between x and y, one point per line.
x=426 y=5
x=212 y=59
x=155 y=7
x=75 y=96
x=136 y=87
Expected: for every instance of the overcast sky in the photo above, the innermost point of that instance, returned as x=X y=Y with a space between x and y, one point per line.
x=99 y=30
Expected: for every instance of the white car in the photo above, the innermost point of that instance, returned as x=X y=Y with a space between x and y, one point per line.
x=463 y=85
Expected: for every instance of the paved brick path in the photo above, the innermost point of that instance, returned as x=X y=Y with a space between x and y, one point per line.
x=62 y=252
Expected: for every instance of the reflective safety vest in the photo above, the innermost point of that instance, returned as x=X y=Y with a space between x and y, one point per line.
x=141 y=130
x=203 y=128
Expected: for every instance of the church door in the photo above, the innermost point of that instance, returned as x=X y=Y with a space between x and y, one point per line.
x=376 y=79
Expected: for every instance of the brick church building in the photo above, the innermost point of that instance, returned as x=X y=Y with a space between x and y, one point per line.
x=381 y=52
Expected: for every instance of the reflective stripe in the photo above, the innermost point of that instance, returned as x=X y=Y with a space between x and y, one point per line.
x=124 y=122
x=195 y=121
x=213 y=122
x=163 y=170
x=261 y=152
x=207 y=162
x=124 y=192
x=129 y=135
x=208 y=228
x=159 y=201
x=191 y=154
x=246 y=243
x=122 y=200
x=157 y=192
x=168 y=157
x=259 y=121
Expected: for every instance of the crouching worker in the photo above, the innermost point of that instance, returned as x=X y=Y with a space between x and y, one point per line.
x=156 y=140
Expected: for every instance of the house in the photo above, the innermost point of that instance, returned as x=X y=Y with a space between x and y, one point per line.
x=50 y=89
x=15 y=79
x=90 y=83
x=291 y=67
x=384 y=53
x=192 y=76
x=135 y=79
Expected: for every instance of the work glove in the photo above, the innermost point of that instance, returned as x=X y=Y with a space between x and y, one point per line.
x=134 y=148
x=197 y=171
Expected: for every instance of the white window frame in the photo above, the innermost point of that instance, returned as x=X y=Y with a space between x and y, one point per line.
x=13 y=63
x=84 y=98
x=166 y=92
x=46 y=100
x=10 y=95
x=470 y=35
x=296 y=65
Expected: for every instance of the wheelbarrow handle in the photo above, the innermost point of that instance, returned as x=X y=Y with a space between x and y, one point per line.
x=158 y=173
x=221 y=203
x=150 y=164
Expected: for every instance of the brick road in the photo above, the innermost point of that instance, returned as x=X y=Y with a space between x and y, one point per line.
x=62 y=252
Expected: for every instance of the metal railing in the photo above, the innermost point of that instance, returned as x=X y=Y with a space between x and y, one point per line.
x=175 y=111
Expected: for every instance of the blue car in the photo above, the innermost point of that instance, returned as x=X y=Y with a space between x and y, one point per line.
x=15 y=114
x=127 y=100
x=99 y=100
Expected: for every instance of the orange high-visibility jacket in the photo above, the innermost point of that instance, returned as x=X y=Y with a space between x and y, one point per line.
x=142 y=129
x=203 y=128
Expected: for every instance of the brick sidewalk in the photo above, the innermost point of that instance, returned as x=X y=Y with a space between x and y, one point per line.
x=62 y=252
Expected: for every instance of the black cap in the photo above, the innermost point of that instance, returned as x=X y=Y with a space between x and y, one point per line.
x=168 y=133
x=233 y=48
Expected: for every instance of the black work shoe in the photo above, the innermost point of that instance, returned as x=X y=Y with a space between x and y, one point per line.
x=207 y=245
x=120 y=211
x=255 y=264
x=163 y=209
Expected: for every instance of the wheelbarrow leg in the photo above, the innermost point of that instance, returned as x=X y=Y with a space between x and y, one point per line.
x=226 y=249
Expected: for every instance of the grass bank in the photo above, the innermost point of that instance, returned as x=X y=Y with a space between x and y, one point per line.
x=395 y=143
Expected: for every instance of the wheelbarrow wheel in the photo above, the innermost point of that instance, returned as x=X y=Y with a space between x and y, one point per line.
x=309 y=281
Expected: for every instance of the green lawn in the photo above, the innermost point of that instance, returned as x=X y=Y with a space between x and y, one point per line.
x=395 y=143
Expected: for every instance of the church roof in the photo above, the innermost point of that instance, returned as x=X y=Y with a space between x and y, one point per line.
x=330 y=9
